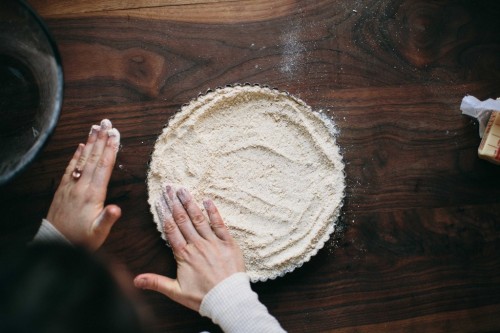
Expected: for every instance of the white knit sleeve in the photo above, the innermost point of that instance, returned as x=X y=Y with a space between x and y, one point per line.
x=49 y=233
x=235 y=307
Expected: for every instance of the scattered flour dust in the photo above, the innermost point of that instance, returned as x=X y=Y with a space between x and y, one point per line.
x=270 y=164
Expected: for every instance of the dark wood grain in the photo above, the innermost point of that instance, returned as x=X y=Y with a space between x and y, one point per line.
x=418 y=243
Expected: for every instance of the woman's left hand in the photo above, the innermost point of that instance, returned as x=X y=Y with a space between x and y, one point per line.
x=77 y=209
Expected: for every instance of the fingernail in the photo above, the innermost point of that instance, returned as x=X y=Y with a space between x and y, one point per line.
x=170 y=192
x=94 y=129
x=114 y=137
x=183 y=195
x=165 y=197
x=80 y=147
x=140 y=283
x=207 y=203
x=105 y=124
x=114 y=133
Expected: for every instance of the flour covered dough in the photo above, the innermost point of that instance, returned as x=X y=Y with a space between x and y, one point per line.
x=270 y=164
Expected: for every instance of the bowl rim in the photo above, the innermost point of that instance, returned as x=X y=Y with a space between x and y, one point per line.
x=42 y=140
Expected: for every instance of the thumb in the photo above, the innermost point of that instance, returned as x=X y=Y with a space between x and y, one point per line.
x=168 y=287
x=162 y=284
x=106 y=219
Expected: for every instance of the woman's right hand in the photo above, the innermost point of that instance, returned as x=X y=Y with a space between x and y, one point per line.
x=205 y=251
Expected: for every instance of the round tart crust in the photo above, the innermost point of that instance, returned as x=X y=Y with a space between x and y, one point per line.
x=270 y=164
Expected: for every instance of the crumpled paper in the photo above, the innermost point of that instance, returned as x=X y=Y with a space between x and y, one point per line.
x=481 y=110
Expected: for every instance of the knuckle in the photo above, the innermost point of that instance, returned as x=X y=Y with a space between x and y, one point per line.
x=88 y=195
x=182 y=252
x=218 y=224
x=181 y=218
x=194 y=248
x=93 y=158
x=154 y=283
x=104 y=163
x=91 y=191
x=74 y=194
x=169 y=227
x=198 y=219
x=81 y=161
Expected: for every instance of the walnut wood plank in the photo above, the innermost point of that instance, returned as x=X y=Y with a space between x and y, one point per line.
x=199 y=11
x=417 y=247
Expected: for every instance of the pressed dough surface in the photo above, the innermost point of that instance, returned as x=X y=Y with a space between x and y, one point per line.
x=270 y=164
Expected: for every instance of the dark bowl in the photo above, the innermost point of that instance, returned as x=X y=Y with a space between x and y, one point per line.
x=31 y=87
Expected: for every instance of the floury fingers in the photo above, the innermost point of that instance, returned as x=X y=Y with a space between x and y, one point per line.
x=104 y=131
x=114 y=139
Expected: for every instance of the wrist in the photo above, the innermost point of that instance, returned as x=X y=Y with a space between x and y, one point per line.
x=48 y=232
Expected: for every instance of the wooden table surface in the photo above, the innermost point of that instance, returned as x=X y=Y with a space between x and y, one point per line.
x=418 y=244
